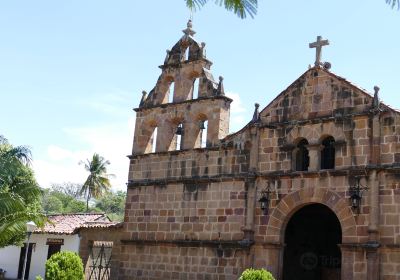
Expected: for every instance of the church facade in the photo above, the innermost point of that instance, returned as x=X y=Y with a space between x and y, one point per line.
x=308 y=189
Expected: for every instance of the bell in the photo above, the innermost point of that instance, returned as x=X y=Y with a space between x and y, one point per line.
x=201 y=125
x=179 y=130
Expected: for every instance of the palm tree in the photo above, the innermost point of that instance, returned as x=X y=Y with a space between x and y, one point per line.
x=98 y=180
x=240 y=7
x=19 y=193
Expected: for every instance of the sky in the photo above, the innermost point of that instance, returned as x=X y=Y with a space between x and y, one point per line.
x=72 y=71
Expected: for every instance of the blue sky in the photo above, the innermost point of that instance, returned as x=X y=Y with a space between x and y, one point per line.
x=71 y=71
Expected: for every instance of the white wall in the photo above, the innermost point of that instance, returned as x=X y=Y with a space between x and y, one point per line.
x=9 y=256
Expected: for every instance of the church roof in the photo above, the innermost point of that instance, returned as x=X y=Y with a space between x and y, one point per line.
x=303 y=86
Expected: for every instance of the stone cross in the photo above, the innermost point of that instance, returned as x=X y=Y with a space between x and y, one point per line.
x=318 y=45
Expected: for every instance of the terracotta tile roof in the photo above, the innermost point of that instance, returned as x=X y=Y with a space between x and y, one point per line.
x=70 y=223
x=102 y=225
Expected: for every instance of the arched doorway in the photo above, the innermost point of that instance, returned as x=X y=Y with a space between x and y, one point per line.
x=312 y=236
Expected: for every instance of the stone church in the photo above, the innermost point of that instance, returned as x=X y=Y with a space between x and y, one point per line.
x=308 y=189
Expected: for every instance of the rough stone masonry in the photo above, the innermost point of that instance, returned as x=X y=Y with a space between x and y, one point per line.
x=323 y=156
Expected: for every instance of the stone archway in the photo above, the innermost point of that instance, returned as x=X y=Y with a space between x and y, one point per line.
x=290 y=204
x=311 y=252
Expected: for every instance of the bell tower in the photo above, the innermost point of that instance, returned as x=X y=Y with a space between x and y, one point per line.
x=187 y=108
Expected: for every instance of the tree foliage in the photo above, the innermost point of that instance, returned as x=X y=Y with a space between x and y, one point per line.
x=241 y=8
x=256 y=274
x=58 y=199
x=393 y=3
x=113 y=204
x=64 y=265
x=19 y=193
x=98 y=181
x=63 y=198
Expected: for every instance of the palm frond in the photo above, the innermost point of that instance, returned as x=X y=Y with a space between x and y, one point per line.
x=241 y=8
x=193 y=4
x=393 y=3
x=97 y=182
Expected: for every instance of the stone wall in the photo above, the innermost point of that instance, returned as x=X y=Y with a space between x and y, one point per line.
x=114 y=235
x=170 y=261
x=189 y=164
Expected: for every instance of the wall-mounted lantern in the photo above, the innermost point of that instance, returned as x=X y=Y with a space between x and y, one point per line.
x=264 y=200
x=356 y=193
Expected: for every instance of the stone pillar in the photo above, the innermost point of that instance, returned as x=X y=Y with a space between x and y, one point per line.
x=347 y=266
x=314 y=152
x=191 y=133
x=372 y=264
x=373 y=184
x=165 y=137
x=270 y=257
x=251 y=202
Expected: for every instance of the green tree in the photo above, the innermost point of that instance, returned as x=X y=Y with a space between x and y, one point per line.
x=256 y=274
x=240 y=7
x=64 y=265
x=113 y=204
x=19 y=193
x=75 y=206
x=98 y=180
x=51 y=204
x=63 y=198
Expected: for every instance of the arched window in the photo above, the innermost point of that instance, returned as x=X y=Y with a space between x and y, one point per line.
x=328 y=153
x=203 y=133
x=185 y=54
x=179 y=133
x=154 y=141
x=302 y=157
x=195 y=88
x=171 y=92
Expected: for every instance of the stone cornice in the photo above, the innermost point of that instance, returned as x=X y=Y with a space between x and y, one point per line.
x=174 y=104
x=243 y=243
x=252 y=176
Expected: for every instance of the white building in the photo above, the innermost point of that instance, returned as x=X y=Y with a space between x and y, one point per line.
x=61 y=233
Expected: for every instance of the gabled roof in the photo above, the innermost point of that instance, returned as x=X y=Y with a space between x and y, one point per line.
x=71 y=223
x=270 y=111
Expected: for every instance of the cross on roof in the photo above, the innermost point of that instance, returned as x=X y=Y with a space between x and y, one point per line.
x=318 y=45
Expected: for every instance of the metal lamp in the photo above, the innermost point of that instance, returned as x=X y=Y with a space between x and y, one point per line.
x=264 y=200
x=356 y=193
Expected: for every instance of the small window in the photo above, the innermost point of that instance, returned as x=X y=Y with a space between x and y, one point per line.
x=328 y=153
x=171 y=92
x=203 y=134
x=302 y=157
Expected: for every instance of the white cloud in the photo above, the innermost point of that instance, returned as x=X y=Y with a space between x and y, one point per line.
x=237 y=118
x=112 y=140
x=236 y=105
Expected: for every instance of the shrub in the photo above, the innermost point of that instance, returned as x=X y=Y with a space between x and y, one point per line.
x=64 y=266
x=256 y=274
x=38 y=277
